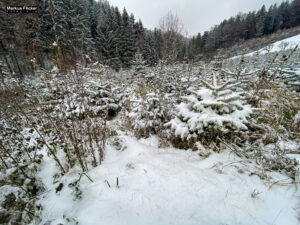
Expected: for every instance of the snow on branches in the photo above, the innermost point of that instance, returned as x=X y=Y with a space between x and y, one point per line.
x=214 y=108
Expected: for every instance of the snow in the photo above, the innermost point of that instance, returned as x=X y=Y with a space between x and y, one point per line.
x=213 y=105
x=297 y=117
x=290 y=145
x=168 y=186
x=164 y=185
x=6 y=190
x=288 y=43
x=54 y=69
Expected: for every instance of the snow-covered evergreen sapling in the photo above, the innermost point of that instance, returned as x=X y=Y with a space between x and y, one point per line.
x=106 y=100
x=148 y=115
x=210 y=113
x=139 y=66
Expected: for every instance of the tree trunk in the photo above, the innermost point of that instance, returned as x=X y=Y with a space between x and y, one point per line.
x=17 y=64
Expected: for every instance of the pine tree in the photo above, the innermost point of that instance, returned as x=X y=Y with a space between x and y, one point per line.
x=150 y=53
x=260 y=19
x=139 y=36
x=127 y=42
x=285 y=14
x=94 y=11
x=106 y=100
x=269 y=21
x=108 y=40
x=204 y=39
x=139 y=66
x=158 y=39
x=148 y=115
x=80 y=32
x=250 y=26
x=295 y=13
x=210 y=112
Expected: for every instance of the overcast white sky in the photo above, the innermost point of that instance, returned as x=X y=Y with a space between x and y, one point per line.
x=196 y=15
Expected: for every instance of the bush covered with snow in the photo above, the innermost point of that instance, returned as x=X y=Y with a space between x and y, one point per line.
x=139 y=66
x=105 y=100
x=148 y=115
x=210 y=113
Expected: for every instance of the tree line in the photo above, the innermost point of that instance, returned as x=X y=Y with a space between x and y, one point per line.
x=246 y=26
x=70 y=31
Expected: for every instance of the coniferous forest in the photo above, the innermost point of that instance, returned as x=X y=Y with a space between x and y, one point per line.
x=87 y=29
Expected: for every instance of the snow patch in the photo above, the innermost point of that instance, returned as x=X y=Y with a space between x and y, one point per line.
x=170 y=186
x=285 y=44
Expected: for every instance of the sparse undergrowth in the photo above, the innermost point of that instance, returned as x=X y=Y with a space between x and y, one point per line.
x=71 y=119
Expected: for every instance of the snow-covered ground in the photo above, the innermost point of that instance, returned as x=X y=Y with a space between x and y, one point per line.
x=146 y=184
x=168 y=186
x=285 y=44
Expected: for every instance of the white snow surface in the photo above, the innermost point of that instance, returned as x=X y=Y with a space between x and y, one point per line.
x=288 y=43
x=168 y=186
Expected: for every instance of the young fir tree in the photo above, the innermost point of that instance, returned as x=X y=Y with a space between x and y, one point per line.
x=211 y=112
x=139 y=66
x=105 y=100
x=148 y=115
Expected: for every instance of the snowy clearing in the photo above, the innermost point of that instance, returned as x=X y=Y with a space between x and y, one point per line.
x=168 y=186
x=104 y=121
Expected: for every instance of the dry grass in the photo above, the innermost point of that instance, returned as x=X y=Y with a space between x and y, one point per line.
x=82 y=138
